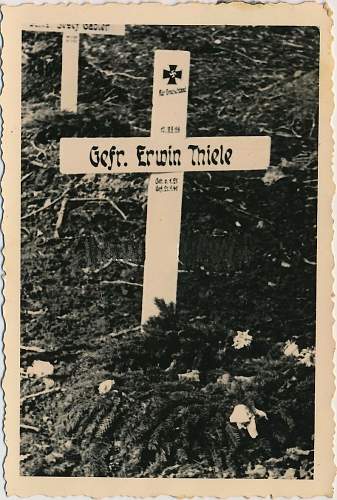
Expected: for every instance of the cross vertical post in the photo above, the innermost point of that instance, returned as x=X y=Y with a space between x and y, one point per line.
x=69 y=74
x=169 y=118
x=98 y=155
x=70 y=54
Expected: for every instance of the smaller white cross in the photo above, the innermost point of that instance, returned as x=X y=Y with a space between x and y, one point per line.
x=70 y=54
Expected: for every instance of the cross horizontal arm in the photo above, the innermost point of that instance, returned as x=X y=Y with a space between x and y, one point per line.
x=137 y=154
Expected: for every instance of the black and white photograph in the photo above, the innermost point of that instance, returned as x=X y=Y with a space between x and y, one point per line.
x=119 y=377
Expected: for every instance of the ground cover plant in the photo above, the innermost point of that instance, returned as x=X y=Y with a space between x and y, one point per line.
x=223 y=384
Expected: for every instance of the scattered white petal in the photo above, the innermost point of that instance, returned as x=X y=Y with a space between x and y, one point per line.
x=307 y=357
x=223 y=379
x=273 y=175
x=289 y=473
x=251 y=428
x=259 y=471
x=244 y=418
x=242 y=339
x=241 y=415
x=105 y=386
x=40 y=369
x=290 y=349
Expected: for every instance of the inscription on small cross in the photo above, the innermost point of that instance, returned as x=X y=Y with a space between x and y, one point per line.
x=166 y=155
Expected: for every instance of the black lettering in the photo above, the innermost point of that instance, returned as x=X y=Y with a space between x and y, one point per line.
x=94 y=161
x=104 y=156
x=192 y=147
x=228 y=156
x=140 y=152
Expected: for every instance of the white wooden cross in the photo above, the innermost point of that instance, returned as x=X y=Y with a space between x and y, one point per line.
x=175 y=154
x=70 y=54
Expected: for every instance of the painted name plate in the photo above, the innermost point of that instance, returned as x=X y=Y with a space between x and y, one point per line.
x=136 y=154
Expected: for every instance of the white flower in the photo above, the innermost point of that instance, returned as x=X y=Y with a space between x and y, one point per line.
x=296 y=452
x=251 y=428
x=240 y=415
x=291 y=349
x=242 y=339
x=40 y=369
x=307 y=357
x=273 y=174
x=223 y=379
x=244 y=418
x=105 y=386
x=259 y=471
x=290 y=474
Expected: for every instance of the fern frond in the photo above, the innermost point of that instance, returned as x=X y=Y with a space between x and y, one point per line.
x=233 y=435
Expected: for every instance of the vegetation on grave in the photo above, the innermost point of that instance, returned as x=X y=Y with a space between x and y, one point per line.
x=148 y=420
x=160 y=403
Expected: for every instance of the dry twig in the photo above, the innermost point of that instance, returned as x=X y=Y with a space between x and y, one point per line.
x=120 y=261
x=31 y=348
x=60 y=217
x=99 y=200
x=29 y=428
x=53 y=202
x=127 y=330
x=48 y=205
x=121 y=282
x=36 y=394
x=24 y=177
x=128 y=75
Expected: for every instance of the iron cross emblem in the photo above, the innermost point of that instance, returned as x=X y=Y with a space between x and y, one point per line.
x=172 y=74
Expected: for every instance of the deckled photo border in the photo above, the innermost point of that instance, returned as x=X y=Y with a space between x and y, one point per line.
x=235 y=14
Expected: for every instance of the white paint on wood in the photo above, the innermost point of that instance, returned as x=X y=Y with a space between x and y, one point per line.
x=169 y=117
x=104 y=155
x=169 y=112
x=70 y=53
x=69 y=75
